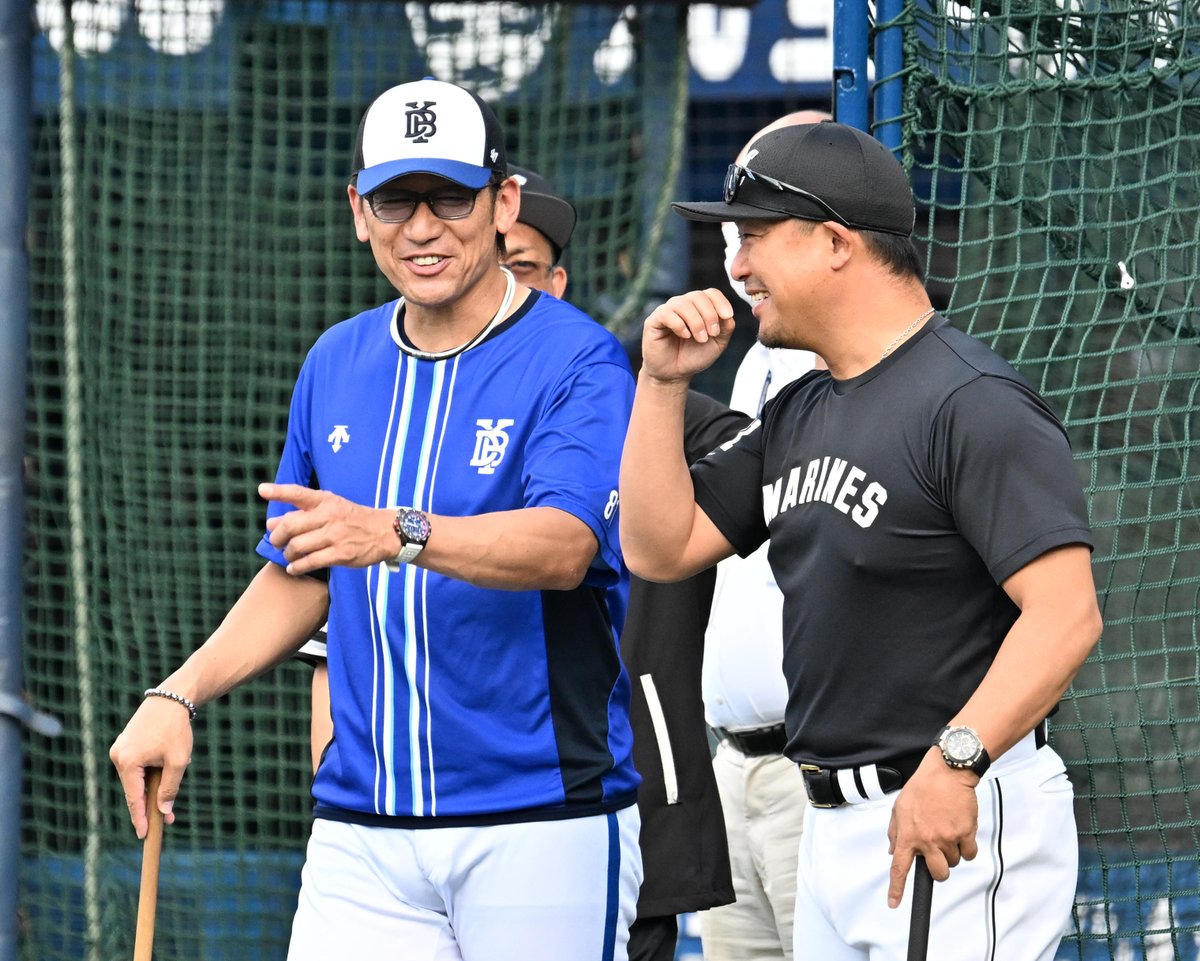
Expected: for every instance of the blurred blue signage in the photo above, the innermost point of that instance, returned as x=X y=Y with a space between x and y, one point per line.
x=773 y=48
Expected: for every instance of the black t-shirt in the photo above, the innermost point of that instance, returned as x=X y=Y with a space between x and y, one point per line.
x=896 y=503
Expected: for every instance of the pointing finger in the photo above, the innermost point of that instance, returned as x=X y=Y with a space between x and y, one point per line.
x=302 y=497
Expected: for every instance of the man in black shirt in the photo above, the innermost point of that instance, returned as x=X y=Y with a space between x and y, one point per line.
x=930 y=536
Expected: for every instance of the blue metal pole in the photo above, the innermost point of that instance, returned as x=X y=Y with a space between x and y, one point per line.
x=889 y=60
x=851 y=91
x=15 y=165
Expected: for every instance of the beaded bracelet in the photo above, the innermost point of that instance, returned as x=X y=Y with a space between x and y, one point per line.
x=172 y=696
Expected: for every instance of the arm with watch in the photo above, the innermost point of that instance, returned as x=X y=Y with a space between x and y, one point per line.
x=527 y=549
x=531 y=548
x=936 y=813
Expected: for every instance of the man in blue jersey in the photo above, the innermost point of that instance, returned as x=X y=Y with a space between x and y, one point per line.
x=533 y=248
x=447 y=498
x=682 y=841
x=929 y=534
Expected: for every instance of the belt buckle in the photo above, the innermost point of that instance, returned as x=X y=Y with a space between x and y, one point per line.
x=813 y=769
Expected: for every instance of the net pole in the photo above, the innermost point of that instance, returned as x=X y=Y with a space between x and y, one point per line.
x=889 y=80
x=15 y=166
x=851 y=94
x=72 y=360
x=652 y=60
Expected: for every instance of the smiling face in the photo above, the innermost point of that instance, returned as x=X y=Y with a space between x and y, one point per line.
x=438 y=265
x=783 y=266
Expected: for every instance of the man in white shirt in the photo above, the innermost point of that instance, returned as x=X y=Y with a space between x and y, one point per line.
x=762 y=792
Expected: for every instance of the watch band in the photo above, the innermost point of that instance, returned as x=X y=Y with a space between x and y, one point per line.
x=407 y=553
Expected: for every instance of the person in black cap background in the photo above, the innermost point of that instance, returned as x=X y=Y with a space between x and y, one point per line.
x=535 y=245
x=929 y=533
x=446 y=498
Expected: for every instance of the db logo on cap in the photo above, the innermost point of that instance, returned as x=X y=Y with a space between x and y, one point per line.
x=421 y=122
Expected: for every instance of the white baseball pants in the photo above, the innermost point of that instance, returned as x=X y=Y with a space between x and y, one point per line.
x=533 y=891
x=1011 y=903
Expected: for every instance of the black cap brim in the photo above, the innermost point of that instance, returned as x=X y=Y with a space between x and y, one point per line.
x=718 y=211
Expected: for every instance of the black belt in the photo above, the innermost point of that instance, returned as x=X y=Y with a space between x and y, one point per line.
x=757 y=743
x=833 y=787
x=824 y=784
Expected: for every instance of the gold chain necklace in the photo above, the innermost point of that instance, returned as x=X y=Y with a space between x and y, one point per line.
x=905 y=332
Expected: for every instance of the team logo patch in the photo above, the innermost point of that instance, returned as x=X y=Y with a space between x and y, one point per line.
x=338 y=436
x=421 y=122
x=491 y=441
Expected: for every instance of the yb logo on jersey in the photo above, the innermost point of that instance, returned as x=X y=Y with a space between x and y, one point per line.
x=491 y=441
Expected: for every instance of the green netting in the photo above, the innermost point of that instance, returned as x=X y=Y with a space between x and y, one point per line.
x=190 y=238
x=1059 y=144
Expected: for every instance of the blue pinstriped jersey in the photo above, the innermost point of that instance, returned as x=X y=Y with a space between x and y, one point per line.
x=452 y=701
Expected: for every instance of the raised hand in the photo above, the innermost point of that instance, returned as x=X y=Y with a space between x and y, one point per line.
x=686 y=334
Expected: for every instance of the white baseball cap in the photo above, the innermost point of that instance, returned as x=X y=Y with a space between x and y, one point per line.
x=433 y=127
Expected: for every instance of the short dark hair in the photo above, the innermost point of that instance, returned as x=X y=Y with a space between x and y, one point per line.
x=898 y=254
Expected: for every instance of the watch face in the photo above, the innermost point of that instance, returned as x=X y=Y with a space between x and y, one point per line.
x=961 y=745
x=414 y=527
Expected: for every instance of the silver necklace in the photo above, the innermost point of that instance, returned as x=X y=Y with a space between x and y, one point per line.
x=510 y=290
x=906 y=331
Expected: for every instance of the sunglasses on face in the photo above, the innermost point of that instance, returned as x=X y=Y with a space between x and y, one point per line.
x=446 y=203
x=737 y=175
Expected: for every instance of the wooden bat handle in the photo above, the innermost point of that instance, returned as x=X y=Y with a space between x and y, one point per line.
x=922 y=904
x=143 y=943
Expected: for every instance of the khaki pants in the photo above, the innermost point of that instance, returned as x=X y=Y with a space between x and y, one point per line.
x=764 y=800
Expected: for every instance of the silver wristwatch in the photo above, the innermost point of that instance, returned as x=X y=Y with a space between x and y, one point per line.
x=412 y=527
x=962 y=748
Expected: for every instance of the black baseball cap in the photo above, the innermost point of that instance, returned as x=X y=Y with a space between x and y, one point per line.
x=817 y=171
x=543 y=209
x=429 y=126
